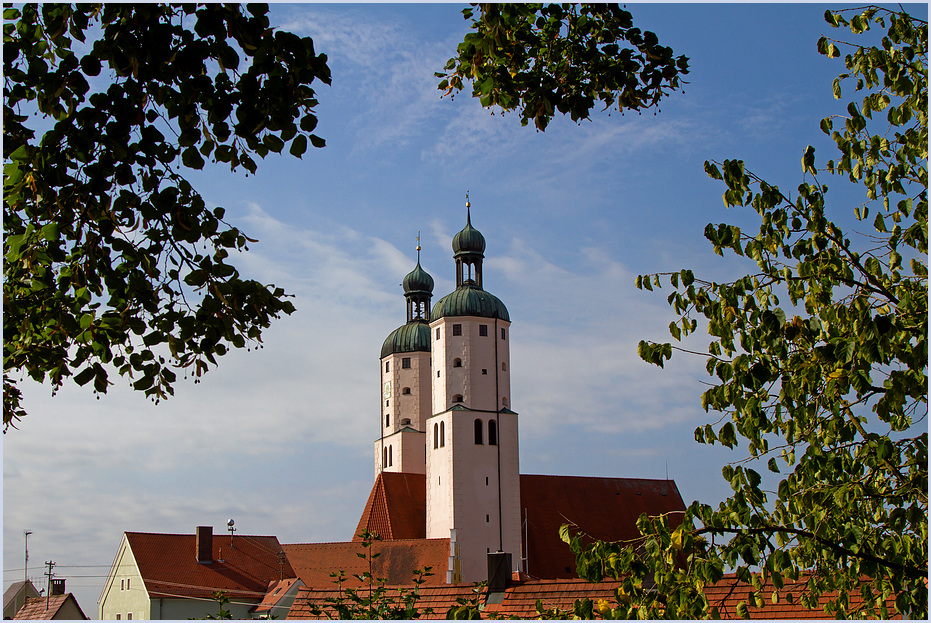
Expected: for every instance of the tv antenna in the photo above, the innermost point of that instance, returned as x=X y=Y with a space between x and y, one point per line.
x=26 y=534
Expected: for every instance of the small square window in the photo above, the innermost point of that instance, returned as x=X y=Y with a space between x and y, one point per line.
x=502 y=334
x=484 y=371
x=457 y=329
x=483 y=330
x=437 y=374
x=437 y=333
x=387 y=366
x=406 y=390
x=406 y=362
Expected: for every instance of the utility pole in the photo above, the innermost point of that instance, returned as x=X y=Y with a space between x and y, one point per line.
x=26 y=534
x=48 y=589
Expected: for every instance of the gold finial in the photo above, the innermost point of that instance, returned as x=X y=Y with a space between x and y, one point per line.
x=467 y=200
x=418 y=246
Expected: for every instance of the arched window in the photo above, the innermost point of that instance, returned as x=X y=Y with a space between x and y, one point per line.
x=436 y=436
x=384 y=458
x=457 y=398
x=442 y=434
x=457 y=363
x=389 y=456
x=478 y=431
x=492 y=433
x=504 y=367
x=504 y=401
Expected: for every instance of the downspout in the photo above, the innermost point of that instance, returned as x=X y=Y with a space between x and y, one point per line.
x=498 y=440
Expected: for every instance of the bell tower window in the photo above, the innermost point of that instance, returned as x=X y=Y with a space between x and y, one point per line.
x=492 y=433
x=478 y=432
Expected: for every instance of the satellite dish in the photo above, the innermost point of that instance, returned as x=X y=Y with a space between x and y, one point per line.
x=230 y=523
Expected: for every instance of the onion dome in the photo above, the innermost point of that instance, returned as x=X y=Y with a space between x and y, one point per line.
x=418 y=281
x=469 y=300
x=469 y=241
x=412 y=337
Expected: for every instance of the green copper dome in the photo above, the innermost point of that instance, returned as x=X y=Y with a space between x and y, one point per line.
x=468 y=300
x=469 y=240
x=412 y=337
x=418 y=280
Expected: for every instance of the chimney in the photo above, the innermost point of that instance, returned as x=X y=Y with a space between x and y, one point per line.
x=203 y=543
x=58 y=586
x=499 y=571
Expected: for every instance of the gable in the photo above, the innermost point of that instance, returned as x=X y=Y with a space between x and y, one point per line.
x=396 y=508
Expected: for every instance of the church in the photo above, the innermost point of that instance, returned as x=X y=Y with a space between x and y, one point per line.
x=447 y=471
x=448 y=496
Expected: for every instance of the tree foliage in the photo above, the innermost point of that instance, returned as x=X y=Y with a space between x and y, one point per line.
x=819 y=364
x=112 y=260
x=543 y=58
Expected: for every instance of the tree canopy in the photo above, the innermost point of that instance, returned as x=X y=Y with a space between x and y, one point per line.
x=819 y=364
x=112 y=260
x=544 y=58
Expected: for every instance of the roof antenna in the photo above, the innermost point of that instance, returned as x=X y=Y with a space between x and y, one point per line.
x=229 y=526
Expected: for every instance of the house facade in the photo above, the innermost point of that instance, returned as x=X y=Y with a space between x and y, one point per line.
x=175 y=576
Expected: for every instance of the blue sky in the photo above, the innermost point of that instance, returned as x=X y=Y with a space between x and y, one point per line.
x=280 y=439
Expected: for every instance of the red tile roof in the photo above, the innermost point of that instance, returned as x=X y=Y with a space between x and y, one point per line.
x=275 y=593
x=396 y=508
x=439 y=598
x=313 y=562
x=169 y=568
x=729 y=591
x=42 y=609
x=603 y=508
x=519 y=600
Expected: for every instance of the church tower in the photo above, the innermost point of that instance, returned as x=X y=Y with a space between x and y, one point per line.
x=472 y=472
x=405 y=380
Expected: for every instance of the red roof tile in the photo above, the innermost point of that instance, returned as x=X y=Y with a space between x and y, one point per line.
x=45 y=609
x=729 y=591
x=275 y=593
x=439 y=598
x=519 y=600
x=313 y=562
x=396 y=508
x=603 y=508
x=242 y=567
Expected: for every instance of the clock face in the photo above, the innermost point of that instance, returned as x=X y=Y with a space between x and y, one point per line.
x=388 y=389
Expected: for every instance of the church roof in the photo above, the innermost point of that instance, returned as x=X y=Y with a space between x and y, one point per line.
x=603 y=508
x=412 y=337
x=469 y=300
x=418 y=281
x=314 y=562
x=396 y=508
